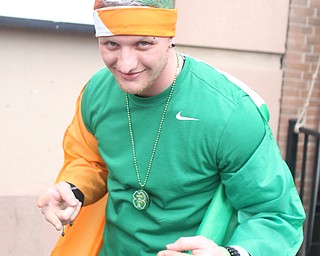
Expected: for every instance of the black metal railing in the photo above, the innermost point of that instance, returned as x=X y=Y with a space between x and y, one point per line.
x=310 y=150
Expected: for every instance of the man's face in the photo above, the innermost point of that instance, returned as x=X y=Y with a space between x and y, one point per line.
x=139 y=63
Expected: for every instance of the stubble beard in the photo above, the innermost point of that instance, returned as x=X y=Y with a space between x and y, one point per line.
x=136 y=89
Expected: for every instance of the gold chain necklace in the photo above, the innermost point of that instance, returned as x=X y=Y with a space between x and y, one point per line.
x=140 y=197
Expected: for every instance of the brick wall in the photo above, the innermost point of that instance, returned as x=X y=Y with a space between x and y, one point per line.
x=299 y=65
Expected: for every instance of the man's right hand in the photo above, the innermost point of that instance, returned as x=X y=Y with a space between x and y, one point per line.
x=59 y=205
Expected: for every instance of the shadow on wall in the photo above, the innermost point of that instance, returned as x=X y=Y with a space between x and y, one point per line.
x=24 y=231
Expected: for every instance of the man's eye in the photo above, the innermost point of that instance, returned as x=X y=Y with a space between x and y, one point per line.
x=144 y=43
x=112 y=44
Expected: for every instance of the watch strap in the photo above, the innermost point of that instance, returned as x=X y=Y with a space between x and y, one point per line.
x=232 y=251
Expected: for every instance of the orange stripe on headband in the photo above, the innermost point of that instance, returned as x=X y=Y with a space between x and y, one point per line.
x=146 y=21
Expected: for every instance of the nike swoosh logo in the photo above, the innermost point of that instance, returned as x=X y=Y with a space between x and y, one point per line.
x=184 y=118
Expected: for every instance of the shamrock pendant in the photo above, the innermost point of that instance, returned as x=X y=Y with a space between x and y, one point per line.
x=140 y=199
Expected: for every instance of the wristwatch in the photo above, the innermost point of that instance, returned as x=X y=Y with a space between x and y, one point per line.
x=232 y=251
x=77 y=193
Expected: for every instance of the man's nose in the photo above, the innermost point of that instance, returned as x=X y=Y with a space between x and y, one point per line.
x=127 y=61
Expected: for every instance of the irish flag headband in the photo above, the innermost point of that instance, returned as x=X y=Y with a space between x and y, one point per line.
x=146 y=21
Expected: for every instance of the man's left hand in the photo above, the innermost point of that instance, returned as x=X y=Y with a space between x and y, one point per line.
x=198 y=245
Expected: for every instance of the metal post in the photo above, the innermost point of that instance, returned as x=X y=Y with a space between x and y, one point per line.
x=292 y=145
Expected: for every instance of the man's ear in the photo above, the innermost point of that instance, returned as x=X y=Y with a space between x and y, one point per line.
x=172 y=42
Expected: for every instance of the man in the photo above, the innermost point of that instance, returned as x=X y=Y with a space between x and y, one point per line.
x=163 y=134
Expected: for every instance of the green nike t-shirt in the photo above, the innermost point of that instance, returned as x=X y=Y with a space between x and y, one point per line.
x=213 y=127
